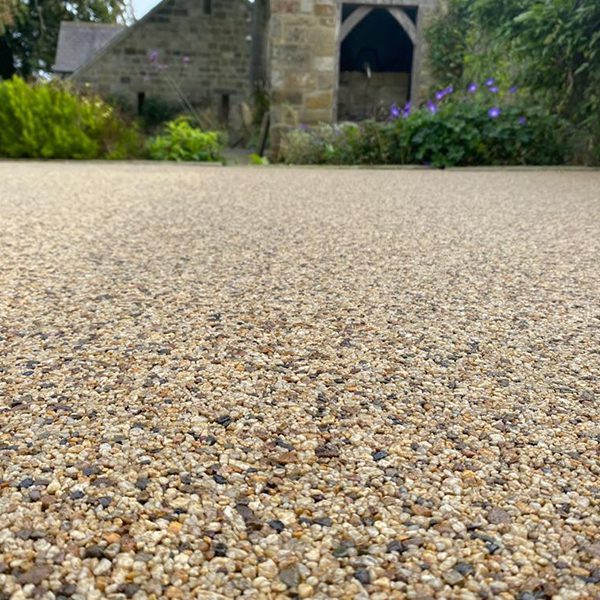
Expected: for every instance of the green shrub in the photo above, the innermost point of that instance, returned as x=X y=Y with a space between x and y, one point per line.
x=341 y=144
x=183 y=142
x=550 y=48
x=50 y=121
x=156 y=112
x=470 y=133
x=478 y=128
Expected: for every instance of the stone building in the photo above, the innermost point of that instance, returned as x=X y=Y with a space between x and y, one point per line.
x=332 y=61
x=79 y=42
x=318 y=60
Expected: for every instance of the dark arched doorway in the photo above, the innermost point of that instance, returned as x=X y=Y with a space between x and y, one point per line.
x=376 y=60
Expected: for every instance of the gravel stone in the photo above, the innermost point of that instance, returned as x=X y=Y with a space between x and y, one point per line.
x=277 y=525
x=363 y=576
x=223 y=359
x=379 y=455
x=93 y=552
x=290 y=576
x=497 y=516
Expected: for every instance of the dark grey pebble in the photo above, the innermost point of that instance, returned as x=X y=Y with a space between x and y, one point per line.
x=224 y=420
x=342 y=550
x=105 y=501
x=327 y=451
x=396 y=546
x=23 y=534
x=363 y=576
x=464 y=568
x=90 y=470
x=67 y=590
x=277 y=525
x=290 y=576
x=323 y=521
x=76 y=495
x=129 y=589
x=142 y=483
x=379 y=455
x=594 y=577
x=93 y=552
x=220 y=549
x=250 y=519
x=279 y=442
x=25 y=483
x=219 y=479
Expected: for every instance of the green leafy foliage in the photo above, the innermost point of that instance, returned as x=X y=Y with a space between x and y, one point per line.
x=459 y=131
x=50 y=121
x=341 y=144
x=257 y=160
x=155 y=112
x=183 y=142
x=550 y=48
x=464 y=134
x=28 y=40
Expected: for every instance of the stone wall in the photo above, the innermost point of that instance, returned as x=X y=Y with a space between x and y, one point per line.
x=360 y=97
x=304 y=59
x=204 y=46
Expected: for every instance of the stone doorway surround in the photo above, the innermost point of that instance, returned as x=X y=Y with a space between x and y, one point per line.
x=304 y=57
x=355 y=97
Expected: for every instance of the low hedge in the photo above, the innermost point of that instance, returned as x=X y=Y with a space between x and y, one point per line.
x=480 y=127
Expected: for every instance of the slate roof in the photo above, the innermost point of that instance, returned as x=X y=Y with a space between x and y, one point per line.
x=79 y=41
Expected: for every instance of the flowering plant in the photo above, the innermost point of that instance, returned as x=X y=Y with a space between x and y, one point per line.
x=481 y=126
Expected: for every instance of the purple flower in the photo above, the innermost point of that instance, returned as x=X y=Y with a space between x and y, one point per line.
x=185 y=59
x=449 y=89
x=494 y=89
x=394 y=111
x=522 y=121
x=512 y=89
x=494 y=112
x=406 y=110
x=431 y=107
x=490 y=81
x=472 y=88
x=439 y=95
x=153 y=56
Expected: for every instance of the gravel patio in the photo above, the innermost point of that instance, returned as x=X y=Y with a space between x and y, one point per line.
x=279 y=383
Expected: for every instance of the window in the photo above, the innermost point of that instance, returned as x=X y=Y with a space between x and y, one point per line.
x=140 y=102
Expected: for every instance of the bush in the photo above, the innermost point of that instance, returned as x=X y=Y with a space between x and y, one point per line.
x=50 y=121
x=156 y=112
x=477 y=128
x=550 y=47
x=363 y=143
x=183 y=142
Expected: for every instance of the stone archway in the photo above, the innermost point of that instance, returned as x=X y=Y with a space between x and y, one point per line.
x=376 y=46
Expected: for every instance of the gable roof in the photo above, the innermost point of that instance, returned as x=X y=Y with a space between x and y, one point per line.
x=123 y=34
x=79 y=41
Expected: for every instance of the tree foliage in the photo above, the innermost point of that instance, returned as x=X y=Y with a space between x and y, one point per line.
x=30 y=32
x=551 y=48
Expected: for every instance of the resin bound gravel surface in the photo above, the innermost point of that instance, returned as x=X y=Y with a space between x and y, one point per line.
x=278 y=383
